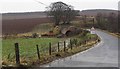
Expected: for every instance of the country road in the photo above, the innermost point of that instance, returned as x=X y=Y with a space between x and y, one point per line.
x=104 y=54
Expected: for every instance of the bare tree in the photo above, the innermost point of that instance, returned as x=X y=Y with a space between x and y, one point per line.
x=99 y=19
x=60 y=11
x=109 y=22
x=118 y=17
x=113 y=22
x=69 y=14
x=84 y=19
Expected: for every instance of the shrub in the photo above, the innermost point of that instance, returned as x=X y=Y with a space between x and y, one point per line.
x=56 y=30
x=35 y=35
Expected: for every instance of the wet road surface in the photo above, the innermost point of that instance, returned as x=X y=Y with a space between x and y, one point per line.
x=104 y=54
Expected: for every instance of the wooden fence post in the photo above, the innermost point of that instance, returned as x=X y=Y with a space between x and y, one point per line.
x=64 y=46
x=71 y=44
x=80 y=43
x=58 y=47
x=38 y=52
x=75 y=41
x=17 y=53
x=50 y=48
x=86 y=41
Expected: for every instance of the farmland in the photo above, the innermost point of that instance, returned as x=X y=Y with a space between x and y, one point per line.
x=21 y=25
x=27 y=47
x=22 y=22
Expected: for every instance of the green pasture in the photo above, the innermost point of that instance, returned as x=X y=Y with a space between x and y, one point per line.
x=27 y=46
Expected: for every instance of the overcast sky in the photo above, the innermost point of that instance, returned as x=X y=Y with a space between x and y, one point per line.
x=32 y=5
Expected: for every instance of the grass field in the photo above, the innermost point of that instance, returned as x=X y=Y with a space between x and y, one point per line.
x=27 y=46
x=28 y=51
x=41 y=28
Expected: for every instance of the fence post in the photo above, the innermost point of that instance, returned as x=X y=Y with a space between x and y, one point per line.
x=17 y=53
x=90 y=38
x=58 y=47
x=64 y=46
x=50 y=48
x=86 y=41
x=80 y=43
x=38 y=52
x=76 y=41
x=71 y=44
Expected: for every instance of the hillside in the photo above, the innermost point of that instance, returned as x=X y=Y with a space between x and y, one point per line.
x=93 y=12
x=41 y=14
x=26 y=15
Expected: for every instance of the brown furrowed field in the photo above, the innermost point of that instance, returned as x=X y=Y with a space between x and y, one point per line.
x=21 y=25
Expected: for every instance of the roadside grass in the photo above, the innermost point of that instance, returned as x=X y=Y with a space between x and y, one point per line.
x=69 y=52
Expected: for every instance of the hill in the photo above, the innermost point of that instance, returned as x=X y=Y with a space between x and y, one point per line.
x=25 y=15
x=93 y=12
x=41 y=14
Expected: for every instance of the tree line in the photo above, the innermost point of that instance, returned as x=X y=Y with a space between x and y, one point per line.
x=108 y=22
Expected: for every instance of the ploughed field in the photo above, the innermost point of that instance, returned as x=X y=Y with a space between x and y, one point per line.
x=21 y=25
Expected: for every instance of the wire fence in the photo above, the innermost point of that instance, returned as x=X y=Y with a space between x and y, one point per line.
x=61 y=46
